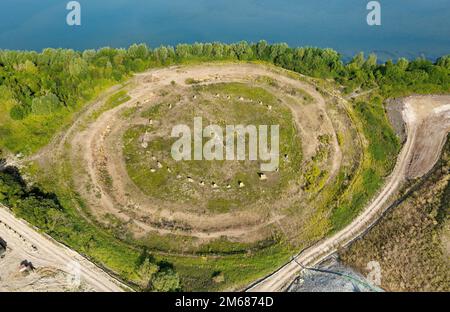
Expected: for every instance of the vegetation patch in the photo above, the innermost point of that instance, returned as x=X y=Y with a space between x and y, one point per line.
x=151 y=166
x=379 y=159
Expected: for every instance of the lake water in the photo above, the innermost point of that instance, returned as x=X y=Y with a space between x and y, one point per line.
x=409 y=28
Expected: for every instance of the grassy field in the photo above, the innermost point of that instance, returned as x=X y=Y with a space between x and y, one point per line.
x=218 y=264
x=28 y=135
x=53 y=205
x=113 y=101
x=237 y=264
x=380 y=152
x=143 y=163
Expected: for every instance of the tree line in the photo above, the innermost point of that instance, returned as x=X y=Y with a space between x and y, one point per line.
x=41 y=83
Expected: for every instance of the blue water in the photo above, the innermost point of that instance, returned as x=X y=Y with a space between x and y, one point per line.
x=409 y=27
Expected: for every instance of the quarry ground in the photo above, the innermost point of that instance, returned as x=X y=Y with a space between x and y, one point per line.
x=411 y=242
x=57 y=268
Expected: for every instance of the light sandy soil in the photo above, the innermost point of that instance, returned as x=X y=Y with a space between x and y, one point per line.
x=427 y=120
x=57 y=268
x=432 y=115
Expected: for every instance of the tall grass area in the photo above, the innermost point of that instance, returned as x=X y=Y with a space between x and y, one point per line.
x=379 y=158
x=29 y=134
x=235 y=271
x=411 y=241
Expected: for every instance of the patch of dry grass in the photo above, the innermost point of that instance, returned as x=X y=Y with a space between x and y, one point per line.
x=411 y=242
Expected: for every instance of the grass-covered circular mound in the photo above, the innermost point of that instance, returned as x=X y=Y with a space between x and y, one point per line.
x=214 y=186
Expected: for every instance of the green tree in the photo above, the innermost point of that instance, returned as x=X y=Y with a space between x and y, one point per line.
x=166 y=280
x=140 y=51
x=18 y=112
x=146 y=271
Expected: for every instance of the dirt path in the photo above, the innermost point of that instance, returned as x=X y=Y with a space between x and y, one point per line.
x=418 y=155
x=25 y=243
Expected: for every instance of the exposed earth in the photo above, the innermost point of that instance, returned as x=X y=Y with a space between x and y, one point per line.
x=335 y=278
x=53 y=267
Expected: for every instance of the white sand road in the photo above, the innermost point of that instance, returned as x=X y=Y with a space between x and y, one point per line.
x=419 y=113
x=25 y=243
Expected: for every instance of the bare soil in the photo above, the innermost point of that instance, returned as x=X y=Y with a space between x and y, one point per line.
x=56 y=267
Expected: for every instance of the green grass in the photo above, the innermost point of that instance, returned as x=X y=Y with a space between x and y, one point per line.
x=222 y=205
x=30 y=134
x=112 y=102
x=191 y=81
x=239 y=89
x=111 y=247
x=239 y=263
x=239 y=270
x=379 y=159
x=164 y=185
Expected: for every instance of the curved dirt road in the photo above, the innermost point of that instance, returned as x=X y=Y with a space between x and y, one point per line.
x=44 y=252
x=419 y=114
x=92 y=152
